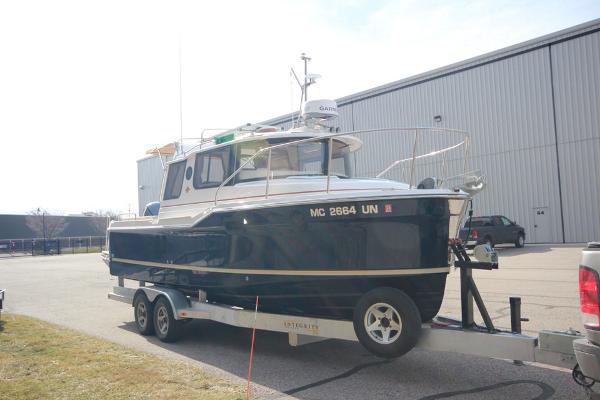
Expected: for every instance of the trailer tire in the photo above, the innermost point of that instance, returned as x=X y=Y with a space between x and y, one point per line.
x=376 y=315
x=144 y=314
x=167 y=328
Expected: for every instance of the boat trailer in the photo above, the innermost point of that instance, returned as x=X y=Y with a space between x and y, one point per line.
x=441 y=334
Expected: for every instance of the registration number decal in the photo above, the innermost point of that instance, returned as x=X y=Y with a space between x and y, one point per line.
x=363 y=209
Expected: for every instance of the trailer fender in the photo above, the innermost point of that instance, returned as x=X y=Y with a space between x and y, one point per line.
x=176 y=298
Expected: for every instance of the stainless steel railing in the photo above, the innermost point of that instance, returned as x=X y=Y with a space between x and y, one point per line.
x=464 y=141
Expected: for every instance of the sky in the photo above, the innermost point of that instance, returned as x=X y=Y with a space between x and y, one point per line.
x=87 y=87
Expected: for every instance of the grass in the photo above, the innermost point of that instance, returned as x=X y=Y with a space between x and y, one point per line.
x=79 y=250
x=39 y=360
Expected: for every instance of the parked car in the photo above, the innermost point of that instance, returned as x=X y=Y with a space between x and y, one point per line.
x=492 y=230
x=587 y=351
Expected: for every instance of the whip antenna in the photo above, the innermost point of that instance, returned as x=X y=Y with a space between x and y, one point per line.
x=180 y=102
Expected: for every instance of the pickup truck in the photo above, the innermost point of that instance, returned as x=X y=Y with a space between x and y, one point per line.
x=587 y=351
x=492 y=230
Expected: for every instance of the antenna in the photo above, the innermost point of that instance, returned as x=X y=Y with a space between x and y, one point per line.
x=292 y=72
x=306 y=59
x=309 y=79
x=180 y=102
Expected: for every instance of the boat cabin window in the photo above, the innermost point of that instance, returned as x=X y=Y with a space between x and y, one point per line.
x=302 y=159
x=174 y=180
x=340 y=160
x=212 y=167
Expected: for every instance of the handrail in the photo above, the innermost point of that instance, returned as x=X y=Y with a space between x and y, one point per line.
x=263 y=150
x=330 y=136
x=250 y=128
x=433 y=153
x=202 y=139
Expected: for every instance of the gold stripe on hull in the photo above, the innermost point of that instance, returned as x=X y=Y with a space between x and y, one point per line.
x=288 y=272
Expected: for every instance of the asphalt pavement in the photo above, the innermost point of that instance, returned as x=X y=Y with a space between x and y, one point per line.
x=71 y=290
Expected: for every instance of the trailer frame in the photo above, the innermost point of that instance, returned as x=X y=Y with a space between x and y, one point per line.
x=441 y=334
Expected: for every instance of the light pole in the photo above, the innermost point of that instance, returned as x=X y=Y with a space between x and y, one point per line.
x=43 y=228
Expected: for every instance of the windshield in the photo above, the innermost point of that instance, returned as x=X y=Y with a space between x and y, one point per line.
x=295 y=159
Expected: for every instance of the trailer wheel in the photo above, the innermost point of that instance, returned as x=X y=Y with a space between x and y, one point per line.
x=144 y=314
x=387 y=322
x=167 y=328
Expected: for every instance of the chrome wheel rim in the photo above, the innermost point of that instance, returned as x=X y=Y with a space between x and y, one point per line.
x=142 y=314
x=162 y=320
x=383 y=323
x=521 y=240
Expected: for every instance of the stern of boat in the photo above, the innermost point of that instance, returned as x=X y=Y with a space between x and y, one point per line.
x=457 y=208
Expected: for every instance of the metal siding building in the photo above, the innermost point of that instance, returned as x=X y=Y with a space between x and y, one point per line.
x=150 y=174
x=533 y=112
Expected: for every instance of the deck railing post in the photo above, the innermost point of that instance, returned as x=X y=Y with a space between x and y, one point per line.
x=412 y=163
x=467 y=144
x=329 y=153
x=444 y=168
x=268 y=175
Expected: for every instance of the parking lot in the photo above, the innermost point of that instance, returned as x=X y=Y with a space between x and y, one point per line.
x=71 y=290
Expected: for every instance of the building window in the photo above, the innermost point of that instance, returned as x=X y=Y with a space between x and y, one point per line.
x=212 y=167
x=174 y=180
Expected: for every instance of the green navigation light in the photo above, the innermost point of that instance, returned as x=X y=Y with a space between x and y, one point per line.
x=224 y=138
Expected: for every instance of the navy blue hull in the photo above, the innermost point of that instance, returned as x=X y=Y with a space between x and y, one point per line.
x=307 y=259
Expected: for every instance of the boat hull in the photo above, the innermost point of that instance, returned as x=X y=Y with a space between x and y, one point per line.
x=311 y=259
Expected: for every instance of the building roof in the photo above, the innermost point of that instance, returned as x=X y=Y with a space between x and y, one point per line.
x=530 y=45
x=168 y=149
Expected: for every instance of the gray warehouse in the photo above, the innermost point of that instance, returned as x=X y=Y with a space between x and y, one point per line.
x=533 y=112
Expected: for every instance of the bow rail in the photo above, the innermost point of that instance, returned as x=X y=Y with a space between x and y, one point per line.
x=463 y=141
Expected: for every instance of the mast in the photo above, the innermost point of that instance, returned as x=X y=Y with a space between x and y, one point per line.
x=306 y=59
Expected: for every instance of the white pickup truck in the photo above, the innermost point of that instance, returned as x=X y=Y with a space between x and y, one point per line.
x=587 y=351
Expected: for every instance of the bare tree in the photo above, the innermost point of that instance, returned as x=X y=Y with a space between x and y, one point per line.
x=100 y=219
x=44 y=224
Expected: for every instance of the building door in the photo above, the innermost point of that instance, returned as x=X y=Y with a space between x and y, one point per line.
x=541 y=225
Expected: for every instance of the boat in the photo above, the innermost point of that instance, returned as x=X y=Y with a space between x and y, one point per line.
x=258 y=211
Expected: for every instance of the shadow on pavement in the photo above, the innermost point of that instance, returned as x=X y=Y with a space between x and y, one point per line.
x=332 y=369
